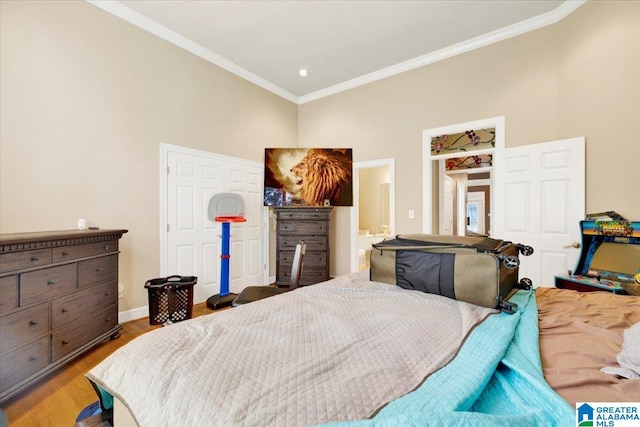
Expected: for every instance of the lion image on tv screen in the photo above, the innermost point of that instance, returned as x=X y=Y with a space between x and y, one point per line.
x=323 y=175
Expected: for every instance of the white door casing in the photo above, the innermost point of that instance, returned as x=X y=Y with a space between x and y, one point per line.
x=461 y=207
x=191 y=242
x=539 y=201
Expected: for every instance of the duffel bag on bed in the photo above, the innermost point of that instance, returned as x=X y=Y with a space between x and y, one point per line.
x=477 y=270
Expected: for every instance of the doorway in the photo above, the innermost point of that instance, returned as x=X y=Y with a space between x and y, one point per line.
x=436 y=159
x=537 y=197
x=373 y=213
x=465 y=201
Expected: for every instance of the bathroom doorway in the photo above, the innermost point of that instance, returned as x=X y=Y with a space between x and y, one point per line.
x=373 y=213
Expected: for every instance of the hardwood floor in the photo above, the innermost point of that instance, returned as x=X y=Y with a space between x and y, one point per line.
x=57 y=400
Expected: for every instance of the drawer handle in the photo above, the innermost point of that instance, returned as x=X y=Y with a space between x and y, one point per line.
x=107 y=248
x=99 y=270
x=65 y=310
x=65 y=342
x=65 y=253
x=33 y=322
x=32 y=358
x=108 y=319
x=51 y=282
x=34 y=258
x=107 y=293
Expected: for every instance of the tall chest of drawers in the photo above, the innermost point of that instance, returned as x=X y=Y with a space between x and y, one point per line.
x=58 y=299
x=311 y=225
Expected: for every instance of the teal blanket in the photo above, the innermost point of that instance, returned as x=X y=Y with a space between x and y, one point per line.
x=495 y=380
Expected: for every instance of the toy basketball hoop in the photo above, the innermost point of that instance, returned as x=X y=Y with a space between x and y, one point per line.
x=225 y=208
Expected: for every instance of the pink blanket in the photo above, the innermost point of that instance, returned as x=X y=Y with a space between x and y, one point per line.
x=580 y=333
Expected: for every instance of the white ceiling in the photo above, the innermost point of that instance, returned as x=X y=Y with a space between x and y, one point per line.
x=343 y=43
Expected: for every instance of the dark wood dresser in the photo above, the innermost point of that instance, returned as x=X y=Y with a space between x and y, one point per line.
x=58 y=299
x=311 y=225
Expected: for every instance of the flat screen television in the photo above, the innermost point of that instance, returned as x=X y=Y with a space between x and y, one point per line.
x=308 y=177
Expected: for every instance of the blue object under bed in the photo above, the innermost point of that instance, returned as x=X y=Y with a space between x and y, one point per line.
x=495 y=380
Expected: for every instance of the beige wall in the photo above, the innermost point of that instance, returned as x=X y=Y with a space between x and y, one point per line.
x=86 y=99
x=580 y=77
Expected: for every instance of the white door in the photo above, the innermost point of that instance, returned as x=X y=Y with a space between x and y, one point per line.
x=447 y=205
x=540 y=200
x=193 y=240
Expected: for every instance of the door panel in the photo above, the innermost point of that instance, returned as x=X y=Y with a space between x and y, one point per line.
x=540 y=200
x=447 y=209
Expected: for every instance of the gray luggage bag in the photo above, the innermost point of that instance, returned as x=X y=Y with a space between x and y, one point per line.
x=477 y=270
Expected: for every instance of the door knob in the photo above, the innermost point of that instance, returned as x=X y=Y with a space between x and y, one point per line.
x=573 y=245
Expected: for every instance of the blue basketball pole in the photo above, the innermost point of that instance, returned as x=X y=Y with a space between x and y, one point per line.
x=224 y=260
x=224 y=298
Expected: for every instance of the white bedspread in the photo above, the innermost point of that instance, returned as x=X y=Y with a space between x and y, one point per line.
x=328 y=352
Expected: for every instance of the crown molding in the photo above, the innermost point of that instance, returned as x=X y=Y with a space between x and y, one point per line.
x=163 y=32
x=535 y=23
x=171 y=36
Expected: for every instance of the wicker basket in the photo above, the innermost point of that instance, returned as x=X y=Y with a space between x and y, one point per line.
x=170 y=299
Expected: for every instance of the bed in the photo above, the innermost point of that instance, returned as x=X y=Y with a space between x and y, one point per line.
x=353 y=352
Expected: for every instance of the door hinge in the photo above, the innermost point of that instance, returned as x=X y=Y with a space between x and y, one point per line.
x=168 y=170
x=168 y=228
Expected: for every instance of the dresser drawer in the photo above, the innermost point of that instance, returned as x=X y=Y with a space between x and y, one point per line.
x=47 y=283
x=23 y=326
x=72 y=307
x=288 y=243
x=65 y=253
x=97 y=270
x=80 y=332
x=315 y=259
x=23 y=362
x=314 y=276
x=304 y=228
x=309 y=276
x=310 y=259
x=301 y=214
x=20 y=260
x=8 y=293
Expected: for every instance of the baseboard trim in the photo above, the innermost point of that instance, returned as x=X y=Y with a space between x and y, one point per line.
x=133 y=314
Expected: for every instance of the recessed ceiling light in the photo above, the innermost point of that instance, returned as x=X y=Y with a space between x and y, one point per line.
x=303 y=72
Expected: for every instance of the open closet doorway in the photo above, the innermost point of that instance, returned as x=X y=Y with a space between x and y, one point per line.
x=373 y=213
